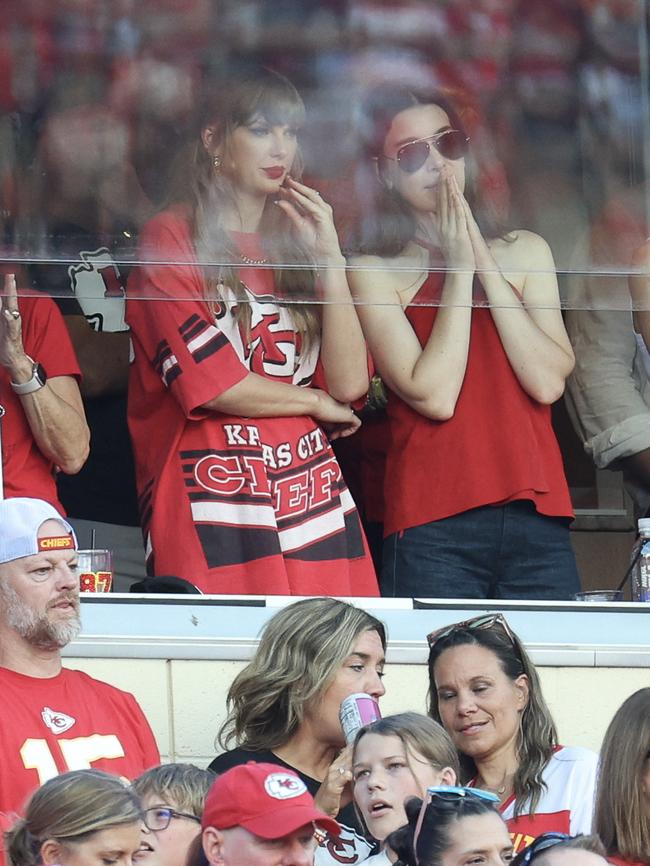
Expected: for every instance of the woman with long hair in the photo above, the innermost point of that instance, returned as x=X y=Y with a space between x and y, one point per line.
x=622 y=817
x=246 y=363
x=452 y=827
x=463 y=321
x=485 y=691
x=283 y=707
x=82 y=818
x=394 y=759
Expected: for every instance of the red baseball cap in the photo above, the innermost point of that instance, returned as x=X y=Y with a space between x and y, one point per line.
x=265 y=799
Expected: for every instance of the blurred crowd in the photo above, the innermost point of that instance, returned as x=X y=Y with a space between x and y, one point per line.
x=118 y=126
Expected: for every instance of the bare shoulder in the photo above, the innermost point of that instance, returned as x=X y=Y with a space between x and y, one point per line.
x=521 y=249
x=522 y=255
x=641 y=257
x=380 y=278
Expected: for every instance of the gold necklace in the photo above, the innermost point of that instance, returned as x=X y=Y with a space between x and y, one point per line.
x=500 y=789
x=248 y=261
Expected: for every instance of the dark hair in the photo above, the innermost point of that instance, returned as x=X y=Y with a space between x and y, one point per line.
x=229 y=103
x=621 y=818
x=391 y=224
x=537 y=738
x=572 y=843
x=433 y=839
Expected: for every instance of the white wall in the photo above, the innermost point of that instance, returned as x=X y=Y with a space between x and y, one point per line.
x=185 y=700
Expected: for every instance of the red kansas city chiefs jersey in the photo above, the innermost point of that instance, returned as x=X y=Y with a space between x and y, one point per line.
x=235 y=505
x=67 y=722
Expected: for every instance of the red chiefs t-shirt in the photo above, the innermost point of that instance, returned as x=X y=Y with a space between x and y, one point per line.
x=27 y=472
x=67 y=722
x=234 y=505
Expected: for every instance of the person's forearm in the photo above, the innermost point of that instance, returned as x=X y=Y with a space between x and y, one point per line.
x=58 y=427
x=258 y=397
x=343 y=348
x=439 y=372
x=540 y=364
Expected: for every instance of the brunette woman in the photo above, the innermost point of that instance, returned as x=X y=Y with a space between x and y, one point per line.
x=453 y=827
x=464 y=324
x=622 y=818
x=485 y=691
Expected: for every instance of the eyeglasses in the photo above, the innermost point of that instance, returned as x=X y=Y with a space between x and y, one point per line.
x=478 y=623
x=449 y=794
x=159 y=817
x=542 y=843
x=450 y=144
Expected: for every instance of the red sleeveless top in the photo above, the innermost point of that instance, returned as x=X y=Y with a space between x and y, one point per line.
x=499 y=445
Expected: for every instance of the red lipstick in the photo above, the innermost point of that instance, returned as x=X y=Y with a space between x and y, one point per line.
x=275 y=172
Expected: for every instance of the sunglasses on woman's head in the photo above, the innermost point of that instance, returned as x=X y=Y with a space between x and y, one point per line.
x=542 y=843
x=450 y=144
x=478 y=623
x=450 y=794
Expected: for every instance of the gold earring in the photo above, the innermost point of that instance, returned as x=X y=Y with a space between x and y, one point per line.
x=216 y=162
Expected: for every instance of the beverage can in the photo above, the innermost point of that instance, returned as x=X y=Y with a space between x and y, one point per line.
x=356 y=711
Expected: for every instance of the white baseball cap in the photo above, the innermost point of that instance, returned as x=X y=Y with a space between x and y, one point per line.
x=20 y=520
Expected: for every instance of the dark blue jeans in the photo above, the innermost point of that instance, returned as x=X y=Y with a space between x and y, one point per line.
x=496 y=551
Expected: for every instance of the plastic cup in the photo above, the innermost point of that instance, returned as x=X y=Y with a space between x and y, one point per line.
x=95 y=570
x=600 y=595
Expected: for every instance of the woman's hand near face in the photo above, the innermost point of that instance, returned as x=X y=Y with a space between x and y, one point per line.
x=332 y=794
x=312 y=220
x=451 y=222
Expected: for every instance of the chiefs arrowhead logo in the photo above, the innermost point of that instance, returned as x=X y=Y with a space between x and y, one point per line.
x=284 y=786
x=58 y=723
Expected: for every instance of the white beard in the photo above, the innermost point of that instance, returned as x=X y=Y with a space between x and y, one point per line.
x=39 y=631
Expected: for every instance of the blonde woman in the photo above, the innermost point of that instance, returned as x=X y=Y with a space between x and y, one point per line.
x=283 y=708
x=82 y=818
x=240 y=378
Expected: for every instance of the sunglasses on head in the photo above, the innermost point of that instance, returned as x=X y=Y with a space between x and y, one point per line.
x=542 y=843
x=477 y=623
x=450 y=144
x=449 y=794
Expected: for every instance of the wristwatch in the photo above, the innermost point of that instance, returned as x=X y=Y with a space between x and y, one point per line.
x=38 y=380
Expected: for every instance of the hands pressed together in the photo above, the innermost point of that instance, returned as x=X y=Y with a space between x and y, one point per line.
x=459 y=236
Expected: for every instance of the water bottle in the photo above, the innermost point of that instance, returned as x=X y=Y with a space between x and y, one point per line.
x=641 y=572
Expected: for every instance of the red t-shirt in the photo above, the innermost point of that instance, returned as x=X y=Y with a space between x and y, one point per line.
x=619 y=861
x=67 y=722
x=27 y=472
x=499 y=445
x=234 y=505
